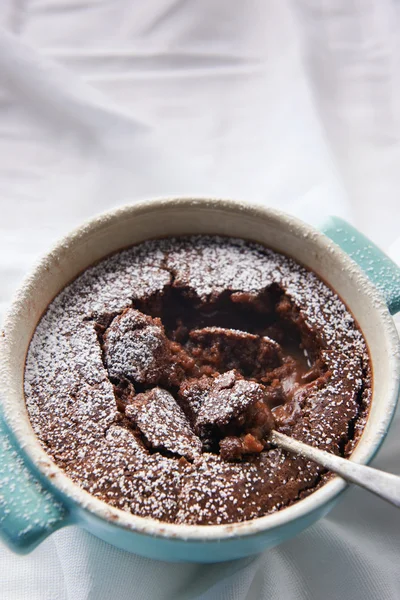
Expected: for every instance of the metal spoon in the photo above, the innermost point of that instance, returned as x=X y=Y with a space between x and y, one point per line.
x=385 y=485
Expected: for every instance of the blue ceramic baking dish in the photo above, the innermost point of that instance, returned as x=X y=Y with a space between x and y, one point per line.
x=37 y=498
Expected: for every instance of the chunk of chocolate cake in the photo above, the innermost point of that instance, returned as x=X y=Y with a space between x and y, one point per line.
x=135 y=347
x=163 y=424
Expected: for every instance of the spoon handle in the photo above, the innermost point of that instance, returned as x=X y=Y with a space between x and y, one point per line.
x=385 y=485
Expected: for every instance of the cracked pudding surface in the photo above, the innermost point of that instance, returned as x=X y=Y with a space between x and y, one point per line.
x=155 y=377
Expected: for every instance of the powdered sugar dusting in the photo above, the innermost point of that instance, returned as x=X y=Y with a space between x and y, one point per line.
x=72 y=403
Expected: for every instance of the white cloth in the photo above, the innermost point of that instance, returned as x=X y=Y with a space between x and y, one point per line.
x=294 y=106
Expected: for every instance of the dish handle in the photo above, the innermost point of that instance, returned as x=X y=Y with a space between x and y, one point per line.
x=380 y=269
x=28 y=511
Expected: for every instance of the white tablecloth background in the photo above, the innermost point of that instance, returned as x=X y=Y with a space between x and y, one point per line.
x=294 y=105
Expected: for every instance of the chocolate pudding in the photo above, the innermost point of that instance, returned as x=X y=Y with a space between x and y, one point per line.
x=154 y=379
